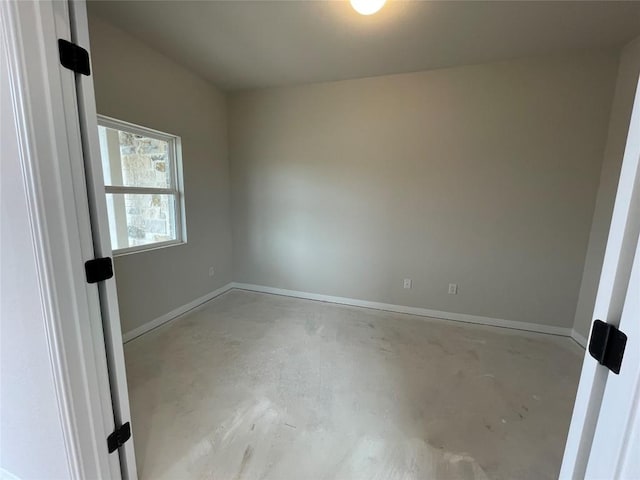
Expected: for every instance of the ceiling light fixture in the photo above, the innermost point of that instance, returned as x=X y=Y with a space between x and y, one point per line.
x=367 y=7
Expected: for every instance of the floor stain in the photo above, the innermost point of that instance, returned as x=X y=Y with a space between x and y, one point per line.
x=473 y=354
x=245 y=460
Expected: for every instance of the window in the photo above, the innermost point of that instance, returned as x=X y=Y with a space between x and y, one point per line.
x=143 y=186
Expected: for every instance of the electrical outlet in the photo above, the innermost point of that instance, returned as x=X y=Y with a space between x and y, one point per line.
x=407 y=283
x=453 y=289
x=212 y=272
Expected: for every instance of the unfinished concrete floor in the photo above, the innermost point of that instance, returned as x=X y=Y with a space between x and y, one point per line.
x=256 y=386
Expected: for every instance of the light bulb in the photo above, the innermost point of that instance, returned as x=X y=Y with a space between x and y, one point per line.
x=367 y=7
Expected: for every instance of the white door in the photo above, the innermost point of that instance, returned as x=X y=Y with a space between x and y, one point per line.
x=605 y=416
x=102 y=242
x=615 y=452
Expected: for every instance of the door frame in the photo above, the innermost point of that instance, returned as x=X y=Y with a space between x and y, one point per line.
x=609 y=305
x=97 y=203
x=617 y=433
x=50 y=155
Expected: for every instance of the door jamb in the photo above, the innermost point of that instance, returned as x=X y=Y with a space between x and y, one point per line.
x=94 y=181
x=610 y=299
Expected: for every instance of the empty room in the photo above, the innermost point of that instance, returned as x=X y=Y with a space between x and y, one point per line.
x=348 y=239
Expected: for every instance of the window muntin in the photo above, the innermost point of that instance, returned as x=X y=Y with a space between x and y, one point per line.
x=143 y=187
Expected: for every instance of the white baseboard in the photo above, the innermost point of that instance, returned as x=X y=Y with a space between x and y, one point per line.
x=173 y=314
x=422 y=312
x=582 y=341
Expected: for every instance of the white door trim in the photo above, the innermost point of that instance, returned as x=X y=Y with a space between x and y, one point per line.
x=610 y=299
x=612 y=441
x=48 y=154
x=97 y=205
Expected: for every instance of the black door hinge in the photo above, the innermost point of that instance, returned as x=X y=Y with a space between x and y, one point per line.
x=607 y=344
x=74 y=57
x=119 y=437
x=98 y=269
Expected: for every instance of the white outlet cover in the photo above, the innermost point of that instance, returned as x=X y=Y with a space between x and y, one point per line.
x=453 y=289
x=211 y=272
x=407 y=283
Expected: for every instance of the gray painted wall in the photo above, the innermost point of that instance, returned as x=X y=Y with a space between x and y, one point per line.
x=485 y=176
x=628 y=73
x=139 y=85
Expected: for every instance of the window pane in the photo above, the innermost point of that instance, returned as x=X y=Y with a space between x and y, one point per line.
x=133 y=160
x=137 y=219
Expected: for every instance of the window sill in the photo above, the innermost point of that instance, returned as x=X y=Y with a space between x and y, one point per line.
x=147 y=248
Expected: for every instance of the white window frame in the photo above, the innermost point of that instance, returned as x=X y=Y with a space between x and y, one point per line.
x=175 y=175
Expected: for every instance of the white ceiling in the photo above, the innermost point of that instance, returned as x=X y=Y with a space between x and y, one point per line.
x=251 y=44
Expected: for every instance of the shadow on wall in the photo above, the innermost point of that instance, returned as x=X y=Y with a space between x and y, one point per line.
x=484 y=176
